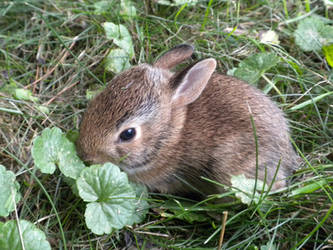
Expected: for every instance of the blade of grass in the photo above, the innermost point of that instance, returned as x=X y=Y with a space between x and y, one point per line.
x=46 y=194
x=311 y=101
x=206 y=15
x=300 y=244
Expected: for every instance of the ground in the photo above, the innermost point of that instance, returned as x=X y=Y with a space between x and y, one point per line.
x=38 y=52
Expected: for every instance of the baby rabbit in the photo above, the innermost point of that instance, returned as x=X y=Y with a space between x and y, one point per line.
x=167 y=130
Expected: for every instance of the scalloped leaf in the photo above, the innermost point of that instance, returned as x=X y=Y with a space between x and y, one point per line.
x=141 y=204
x=127 y=9
x=253 y=67
x=268 y=246
x=25 y=94
x=32 y=237
x=103 y=6
x=9 y=194
x=43 y=109
x=244 y=187
x=111 y=198
x=312 y=33
x=120 y=36
x=52 y=149
x=117 y=61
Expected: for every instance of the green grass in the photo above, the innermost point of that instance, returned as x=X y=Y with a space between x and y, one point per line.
x=35 y=35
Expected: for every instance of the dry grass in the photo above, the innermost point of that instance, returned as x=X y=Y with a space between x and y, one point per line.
x=38 y=52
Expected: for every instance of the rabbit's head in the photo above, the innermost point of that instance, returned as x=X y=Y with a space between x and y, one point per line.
x=141 y=111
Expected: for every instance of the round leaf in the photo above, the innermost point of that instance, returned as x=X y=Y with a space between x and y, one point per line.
x=25 y=94
x=244 y=187
x=117 y=61
x=32 y=237
x=141 y=204
x=53 y=148
x=127 y=9
x=112 y=198
x=120 y=36
x=43 y=109
x=102 y=6
x=9 y=194
x=312 y=33
x=253 y=67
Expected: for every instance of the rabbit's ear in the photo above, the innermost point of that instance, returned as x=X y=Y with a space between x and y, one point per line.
x=193 y=82
x=174 y=56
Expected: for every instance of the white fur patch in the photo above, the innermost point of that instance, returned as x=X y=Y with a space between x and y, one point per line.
x=157 y=75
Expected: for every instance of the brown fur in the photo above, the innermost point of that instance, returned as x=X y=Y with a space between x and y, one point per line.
x=211 y=136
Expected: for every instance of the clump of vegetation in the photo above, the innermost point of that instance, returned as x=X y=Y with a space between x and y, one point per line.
x=54 y=56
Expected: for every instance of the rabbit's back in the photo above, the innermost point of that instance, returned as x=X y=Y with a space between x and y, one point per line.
x=223 y=115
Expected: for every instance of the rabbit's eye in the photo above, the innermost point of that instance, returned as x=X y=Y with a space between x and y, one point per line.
x=127 y=134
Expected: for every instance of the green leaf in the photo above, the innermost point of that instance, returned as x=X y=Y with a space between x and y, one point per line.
x=177 y=2
x=43 y=109
x=111 y=198
x=102 y=7
x=25 y=94
x=117 y=61
x=53 y=148
x=90 y=94
x=327 y=35
x=328 y=52
x=9 y=194
x=94 y=89
x=253 y=67
x=32 y=237
x=10 y=87
x=312 y=33
x=268 y=246
x=244 y=187
x=141 y=204
x=120 y=36
x=127 y=9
